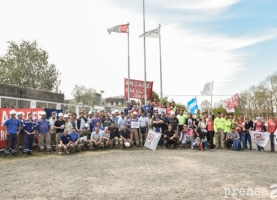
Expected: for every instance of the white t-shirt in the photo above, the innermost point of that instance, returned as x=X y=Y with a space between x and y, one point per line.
x=82 y=125
x=143 y=121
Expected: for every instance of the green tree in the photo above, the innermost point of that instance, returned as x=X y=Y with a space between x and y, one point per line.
x=84 y=95
x=25 y=64
x=156 y=96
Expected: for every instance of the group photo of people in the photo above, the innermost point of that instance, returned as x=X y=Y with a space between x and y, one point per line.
x=179 y=129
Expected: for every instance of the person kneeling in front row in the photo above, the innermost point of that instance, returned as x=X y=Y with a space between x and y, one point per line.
x=75 y=137
x=85 y=138
x=170 y=137
x=65 y=142
x=126 y=137
x=96 y=139
x=106 y=138
x=200 y=139
x=114 y=135
x=231 y=138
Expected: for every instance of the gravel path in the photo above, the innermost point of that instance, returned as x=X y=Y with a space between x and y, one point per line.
x=138 y=173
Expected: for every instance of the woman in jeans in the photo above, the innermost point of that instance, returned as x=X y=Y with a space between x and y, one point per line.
x=248 y=126
x=239 y=129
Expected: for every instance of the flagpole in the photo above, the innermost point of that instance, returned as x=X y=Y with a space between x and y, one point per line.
x=145 y=97
x=212 y=97
x=128 y=63
x=161 y=75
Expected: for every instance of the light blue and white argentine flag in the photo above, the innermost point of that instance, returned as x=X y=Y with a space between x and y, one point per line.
x=192 y=105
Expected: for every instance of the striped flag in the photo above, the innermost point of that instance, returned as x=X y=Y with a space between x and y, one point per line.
x=192 y=105
x=155 y=33
x=119 y=29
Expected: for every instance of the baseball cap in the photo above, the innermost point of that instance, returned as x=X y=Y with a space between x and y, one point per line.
x=60 y=114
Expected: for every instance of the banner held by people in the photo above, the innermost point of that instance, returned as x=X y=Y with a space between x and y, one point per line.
x=137 y=89
x=260 y=138
x=152 y=140
x=192 y=105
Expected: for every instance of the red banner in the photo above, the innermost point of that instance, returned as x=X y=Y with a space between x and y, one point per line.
x=4 y=115
x=137 y=89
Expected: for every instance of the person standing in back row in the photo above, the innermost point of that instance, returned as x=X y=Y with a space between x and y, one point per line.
x=272 y=126
x=59 y=126
x=12 y=130
x=219 y=125
x=43 y=128
x=20 y=136
x=29 y=127
x=52 y=121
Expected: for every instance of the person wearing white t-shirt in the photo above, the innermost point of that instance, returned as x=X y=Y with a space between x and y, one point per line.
x=143 y=130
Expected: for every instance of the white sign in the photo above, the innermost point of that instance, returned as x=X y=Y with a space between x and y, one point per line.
x=260 y=138
x=33 y=104
x=160 y=110
x=85 y=138
x=134 y=124
x=152 y=140
x=58 y=106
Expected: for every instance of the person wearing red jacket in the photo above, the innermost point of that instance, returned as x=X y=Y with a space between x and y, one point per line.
x=272 y=126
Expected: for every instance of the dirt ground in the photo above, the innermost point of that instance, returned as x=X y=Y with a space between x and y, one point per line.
x=139 y=173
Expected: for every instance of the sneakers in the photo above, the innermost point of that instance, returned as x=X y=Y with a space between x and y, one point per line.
x=60 y=153
x=67 y=151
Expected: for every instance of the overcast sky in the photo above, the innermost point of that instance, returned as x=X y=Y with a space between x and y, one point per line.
x=230 y=42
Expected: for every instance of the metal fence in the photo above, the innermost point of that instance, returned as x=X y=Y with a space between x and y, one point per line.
x=12 y=102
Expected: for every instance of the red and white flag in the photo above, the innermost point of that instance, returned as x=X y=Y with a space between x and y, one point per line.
x=119 y=29
x=230 y=104
x=208 y=89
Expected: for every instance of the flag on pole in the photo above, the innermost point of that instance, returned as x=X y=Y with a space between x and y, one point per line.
x=119 y=29
x=155 y=33
x=208 y=89
x=192 y=105
x=230 y=104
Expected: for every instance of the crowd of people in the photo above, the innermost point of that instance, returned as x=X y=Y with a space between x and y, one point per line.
x=129 y=128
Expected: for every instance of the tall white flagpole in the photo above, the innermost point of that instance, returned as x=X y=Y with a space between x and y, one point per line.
x=161 y=74
x=128 y=63
x=145 y=97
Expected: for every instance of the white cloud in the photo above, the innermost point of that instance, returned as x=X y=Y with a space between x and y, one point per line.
x=75 y=35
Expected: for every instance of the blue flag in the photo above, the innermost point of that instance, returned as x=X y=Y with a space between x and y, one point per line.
x=192 y=105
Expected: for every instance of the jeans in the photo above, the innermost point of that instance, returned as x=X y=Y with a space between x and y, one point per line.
x=242 y=139
x=210 y=137
x=248 y=138
x=272 y=141
x=204 y=144
x=157 y=129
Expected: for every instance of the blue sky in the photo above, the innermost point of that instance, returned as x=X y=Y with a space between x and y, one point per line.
x=232 y=42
